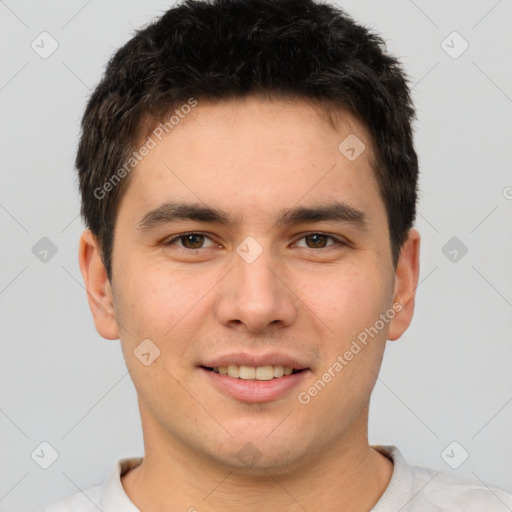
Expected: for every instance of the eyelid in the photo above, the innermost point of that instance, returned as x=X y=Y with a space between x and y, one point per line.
x=337 y=241
x=170 y=241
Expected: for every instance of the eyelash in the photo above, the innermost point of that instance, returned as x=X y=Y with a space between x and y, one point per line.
x=337 y=241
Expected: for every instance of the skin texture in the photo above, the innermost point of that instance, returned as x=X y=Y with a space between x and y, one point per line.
x=253 y=157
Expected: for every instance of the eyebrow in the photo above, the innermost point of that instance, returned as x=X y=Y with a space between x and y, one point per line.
x=174 y=211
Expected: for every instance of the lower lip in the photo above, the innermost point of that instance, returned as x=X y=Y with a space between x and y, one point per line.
x=255 y=390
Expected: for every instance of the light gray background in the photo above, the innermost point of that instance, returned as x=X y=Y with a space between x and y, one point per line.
x=447 y=379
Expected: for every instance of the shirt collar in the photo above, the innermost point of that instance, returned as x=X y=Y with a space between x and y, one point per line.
x=113 y=496
x=398 y=493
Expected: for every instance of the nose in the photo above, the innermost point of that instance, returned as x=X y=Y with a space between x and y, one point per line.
x=257 y=293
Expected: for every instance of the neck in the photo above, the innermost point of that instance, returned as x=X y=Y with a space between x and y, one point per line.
x=349 y=476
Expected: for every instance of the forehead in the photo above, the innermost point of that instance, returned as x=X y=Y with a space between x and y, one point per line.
x=257 y=155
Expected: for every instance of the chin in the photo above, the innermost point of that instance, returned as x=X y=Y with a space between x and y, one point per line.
x=262 y=465
x=262 y=455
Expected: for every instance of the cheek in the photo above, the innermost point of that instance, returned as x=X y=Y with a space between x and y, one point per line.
x=152 y=305
x=349 y=305
x=165 y=306
x=346 y=301
x=152 y=301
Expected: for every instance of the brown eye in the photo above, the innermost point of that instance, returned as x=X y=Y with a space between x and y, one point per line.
x=192 y=241
x=188 y=241
x=319 y=241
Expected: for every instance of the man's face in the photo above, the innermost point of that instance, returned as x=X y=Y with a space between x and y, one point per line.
x=257 y=292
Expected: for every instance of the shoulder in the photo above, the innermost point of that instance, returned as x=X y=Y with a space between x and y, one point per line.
x=107 y=497
x=86 y=501
x=419 y=489
x=450 y=492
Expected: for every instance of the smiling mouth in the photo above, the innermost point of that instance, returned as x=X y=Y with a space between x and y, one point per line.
x=244 y=372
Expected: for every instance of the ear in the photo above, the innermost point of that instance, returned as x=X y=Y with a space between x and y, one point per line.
x=99 y=291
x=406 y=282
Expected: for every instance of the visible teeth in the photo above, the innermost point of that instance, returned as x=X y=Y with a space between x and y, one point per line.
x=234 y=371
x=247 y=372
x=254 y=372
x=264 y=373
x=278 y=371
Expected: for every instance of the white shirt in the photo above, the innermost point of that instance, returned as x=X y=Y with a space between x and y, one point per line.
x=411 y=489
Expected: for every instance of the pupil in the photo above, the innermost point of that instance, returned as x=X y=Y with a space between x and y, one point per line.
x=316 y=240
x=192 y=237
x=316 y=237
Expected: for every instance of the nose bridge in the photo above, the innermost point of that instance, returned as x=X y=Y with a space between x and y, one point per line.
x=256 y=295
x=254 y=271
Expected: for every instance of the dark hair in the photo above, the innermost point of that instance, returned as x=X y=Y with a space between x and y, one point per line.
x=225 y=49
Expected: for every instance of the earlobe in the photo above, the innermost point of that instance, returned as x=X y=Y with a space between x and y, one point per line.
x=99 y=291
x=406 y=282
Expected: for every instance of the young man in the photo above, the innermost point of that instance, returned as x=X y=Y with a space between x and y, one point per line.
x=249 y=182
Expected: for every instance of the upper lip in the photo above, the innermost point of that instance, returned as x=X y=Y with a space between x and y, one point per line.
x=246 y=359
